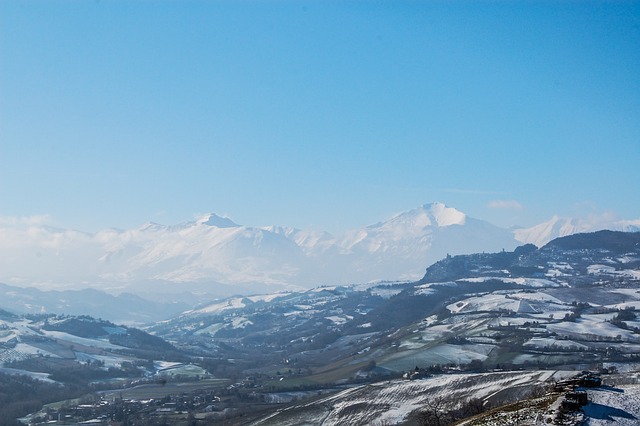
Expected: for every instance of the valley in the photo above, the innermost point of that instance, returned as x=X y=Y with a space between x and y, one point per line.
x=479 y=331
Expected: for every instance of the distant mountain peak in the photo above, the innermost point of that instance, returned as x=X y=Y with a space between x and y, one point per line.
x=443 y=215
x=430 y=215
x=212 y=219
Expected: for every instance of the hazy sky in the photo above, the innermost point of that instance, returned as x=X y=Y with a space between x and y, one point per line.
x=321 y=114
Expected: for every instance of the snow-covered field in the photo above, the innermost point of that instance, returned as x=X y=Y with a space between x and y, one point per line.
x=618 y=406
x=593 y=325
x=521 y=302
x=545 y=342
x=525 y=282
x=32 y=350
x=391 y=402
x=190 y=370
x=43 y=377
x=109 y=361
x=94 y=343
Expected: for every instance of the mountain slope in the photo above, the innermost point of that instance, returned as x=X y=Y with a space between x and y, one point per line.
x=560 y=227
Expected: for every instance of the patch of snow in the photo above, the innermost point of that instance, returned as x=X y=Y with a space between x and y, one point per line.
x=425 y=291
x=545 y=342
x=526 y=282
x=592 y=326
x=560 y=265
x=619 y=406
x=385 y=293
x=530 y=303
x=165 y=365
x=94 y=343
x=32 y=350
x=320 y=289
x=339 y=320
x=267 y=297
x=211 y=329
x=109 y=361
x=626 y=305
x=600 y=269
x=216 y=308
x=536 y=296
x=240 y=322
x=556 y=273
x=43 y=377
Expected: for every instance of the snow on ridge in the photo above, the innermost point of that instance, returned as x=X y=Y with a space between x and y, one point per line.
x=446 y=216
x=544 y=232
x=218 y=307
x=212 y=219
x=526 y=282
x=267 y=297
x=95 y=343
x=428 y=215
x=558 y=226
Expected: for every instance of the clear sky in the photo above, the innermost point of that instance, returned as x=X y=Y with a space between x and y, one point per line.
x=317 y=114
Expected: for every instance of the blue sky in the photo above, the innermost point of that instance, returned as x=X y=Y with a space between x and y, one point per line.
x=317 y=114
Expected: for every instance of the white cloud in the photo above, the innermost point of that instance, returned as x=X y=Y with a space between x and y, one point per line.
x=34 y=220
x=505 y=204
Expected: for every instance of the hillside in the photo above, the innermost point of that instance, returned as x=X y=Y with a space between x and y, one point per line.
x=531 y=296
x=511 y=320
x=46 y=358
x=568 y=305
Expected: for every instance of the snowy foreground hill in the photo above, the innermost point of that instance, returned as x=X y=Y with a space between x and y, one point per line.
x=484 y=334
x=215 y=256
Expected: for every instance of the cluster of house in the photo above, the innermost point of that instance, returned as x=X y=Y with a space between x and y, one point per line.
x=116 y=412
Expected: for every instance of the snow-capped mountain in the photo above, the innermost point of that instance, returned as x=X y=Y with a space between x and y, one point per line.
x=557 y=227
x=217 y=249
x=215 y=255
x=400 y=247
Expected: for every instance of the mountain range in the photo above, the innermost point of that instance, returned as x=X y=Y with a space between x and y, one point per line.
x=216 y=256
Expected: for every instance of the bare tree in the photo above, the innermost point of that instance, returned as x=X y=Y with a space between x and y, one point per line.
x=435 y=412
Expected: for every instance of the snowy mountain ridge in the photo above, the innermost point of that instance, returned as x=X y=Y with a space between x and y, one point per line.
x=557 y=227
x=215 y=255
